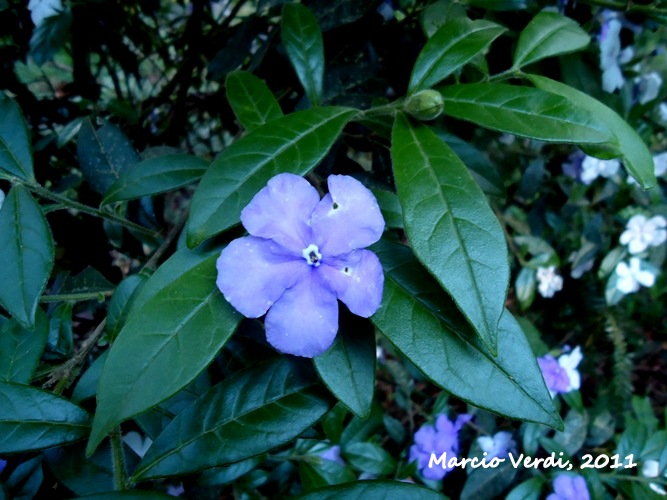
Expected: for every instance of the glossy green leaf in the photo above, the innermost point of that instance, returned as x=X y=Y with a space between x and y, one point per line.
x=121 y=303
x=450 y=225
x=26 y=479
x=526 y=112
x=60 y=343
x=323 y=473
x=348 y=367
x=129 y=495
x=548 y=34
x=15 y=153
x=625 y=141
x=33 y=419
x=86 y=387
x=104 y=154
x=250 y=413
x=156 y=175
x=294 y=143
x=167 y=341
x=488 y=483
x=251 y=100
x=303 y=43
x=21 y=349
x=369 y=457
x=528 y=490
x=373 y=489
x=425 y=325
x=26 y=251
x=390 y=207
x=525 y=286
x=453 y=45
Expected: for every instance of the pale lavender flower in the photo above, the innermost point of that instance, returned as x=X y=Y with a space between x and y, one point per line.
x=175 y=490
x=662 y=111
x=630 y=277
x=302 y=254
x=136 y=443
x=592 y=168
x=549 y=282
x=641 y=233
x=660 y=164
x=561 y=376
x=611 y=55
x=3 y=464
x=651 y=468
x=333 y=454
x=648 y=87
x=443 y=437
x=499 y=445
x=41 y=9
x=386 y=10
x=569 y=487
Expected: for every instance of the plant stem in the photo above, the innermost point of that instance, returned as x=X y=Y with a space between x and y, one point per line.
x=385 y=109
x=45 y=193
x=75 y=297
x=118 y=460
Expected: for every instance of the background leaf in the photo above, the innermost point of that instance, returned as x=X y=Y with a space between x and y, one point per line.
x=21 y=349
x=26 y=251
x=347 y=368
x=166 y=342
x=156 y=175
x=33 y=419
x=251 y=412
x=15 y=153
x=121 y=303
x=373 y=489
x=525 y=112
x=625 y=141
x=548 y=34
x=104 y=154
x=452 y=46
x=303 y=43
x=450 y=225
x=251 y=100
x=294 y=143
x=419 y=319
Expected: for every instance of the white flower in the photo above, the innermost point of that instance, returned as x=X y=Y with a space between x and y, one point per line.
x=660 y=163
x=630 y=277
x=2 y=198
x=41 y=9
x=611 y=55
x=498 y=445
x=640 y=233
x=136 y=443
x=649 y=87
x=569 y=363
x=549 y=281
x=662 y=111
x=592 y=168
x=651 y=468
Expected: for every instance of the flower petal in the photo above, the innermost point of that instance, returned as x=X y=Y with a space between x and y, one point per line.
x=348 y=218
x=253 y=273
x=281 y=210
x=304 y=321
x=357 y=279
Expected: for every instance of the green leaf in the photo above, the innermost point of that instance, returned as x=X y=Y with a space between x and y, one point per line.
x=294 y=143
x=167 y=341
x=156 y=175
x=390 y=207
x=50 y=36
x=424 y=324
x=453 y=45
x=250 y=413
x=251 y=100
x=373 y=489
x=348 y=367
x=323 y=473
x=60 y=343
x=524 y=287
x=625 y=141
x=121 y=303
x=15 y=153
x=369 y=457
x=548 y=34
x=303 y=43
x=33 y=419
x=574 y=435
x=488 y=483
x=26 y=251
x=104 y=154
x=21 y=349
x=81 y=475
x=86 y=387
x=129 y=495
x=528 y=490
x=525 y=112
x=451 y=227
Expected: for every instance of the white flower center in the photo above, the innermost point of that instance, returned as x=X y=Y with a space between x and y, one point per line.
x=312 y=255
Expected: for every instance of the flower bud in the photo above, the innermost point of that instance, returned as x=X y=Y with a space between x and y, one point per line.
x=425 y=104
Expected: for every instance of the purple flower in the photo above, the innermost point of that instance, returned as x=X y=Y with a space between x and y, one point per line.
x=438 y=439
x=569 y=487
x=561 y=375
x=333 y=455
x=302 y=254
x=3 y=464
